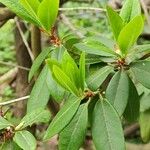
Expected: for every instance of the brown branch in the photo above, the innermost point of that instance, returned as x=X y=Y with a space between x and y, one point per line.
x=131 y=129
x=6 y=14
x=35 y=41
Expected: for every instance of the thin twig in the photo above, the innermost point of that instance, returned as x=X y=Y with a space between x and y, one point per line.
x=14 y=100
x=24 y=40
x=66 y=21
x=82 y=8
x=9 y=76
x=13 y=65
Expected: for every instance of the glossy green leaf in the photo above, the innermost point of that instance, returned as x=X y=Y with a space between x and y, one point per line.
x=4 y=123
x=70 y=68
x=131 y=8
x=38 y=61
x=115 y=21
x=131 y=113
x=82 y=70
x=64 y=80
x=31 y=6
x=117 y=92
x=57 y=92
x=47 y=13
x=25 y=140
x=63 y=117
x=141 y=70
x=97 y=78
x=17 y=8
x=40 y=93
x=130 y=33
x=94 y=47
x=145 y=125
x=36 y=116
x=107 y=131
x=73 y=135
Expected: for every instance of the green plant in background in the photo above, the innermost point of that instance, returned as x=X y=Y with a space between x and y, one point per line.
x=98 y=99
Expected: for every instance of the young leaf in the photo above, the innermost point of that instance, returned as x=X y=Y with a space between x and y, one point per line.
x=28 y=5
x=82 y=70
x=17 y=8
x=133 y=107
x=145 y=125
x=31 y=6
x=97 y=78
x=38 y=61
x=63 y=117
x=72 y=136
x=130 y=33
x=47 y=13
x=64 y=80
x=4 y=123
x=25 y=140
x=117 y=91
x=107 y=131
x=36 y=116
x=141 y=70
x=115 y=21
x=57 y=92
x=131 y=8
x=40 y=93
x=70 y=68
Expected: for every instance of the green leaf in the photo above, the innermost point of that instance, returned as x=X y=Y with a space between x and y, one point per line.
x=107 y=131
x=144 y=102
x=133 y=107
x=64 y=80
x=115 y=21
x=145 y=125
x=73 y=135
x=70 y=68
x=117 y=91
x=36 y=116
x=17 y=8
x=82 y=70
x=130 y=33
x=130 y=10
x=4 y=123
x=25 y=140
x=10 y=145
x=30 y=6
x=97 y=78
x=142 y=48
x=141 y=70
x=47 y=13
x=55 y=89
x=94 y=47
x=63 y=117
x=38 y=61
x=40 y=93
